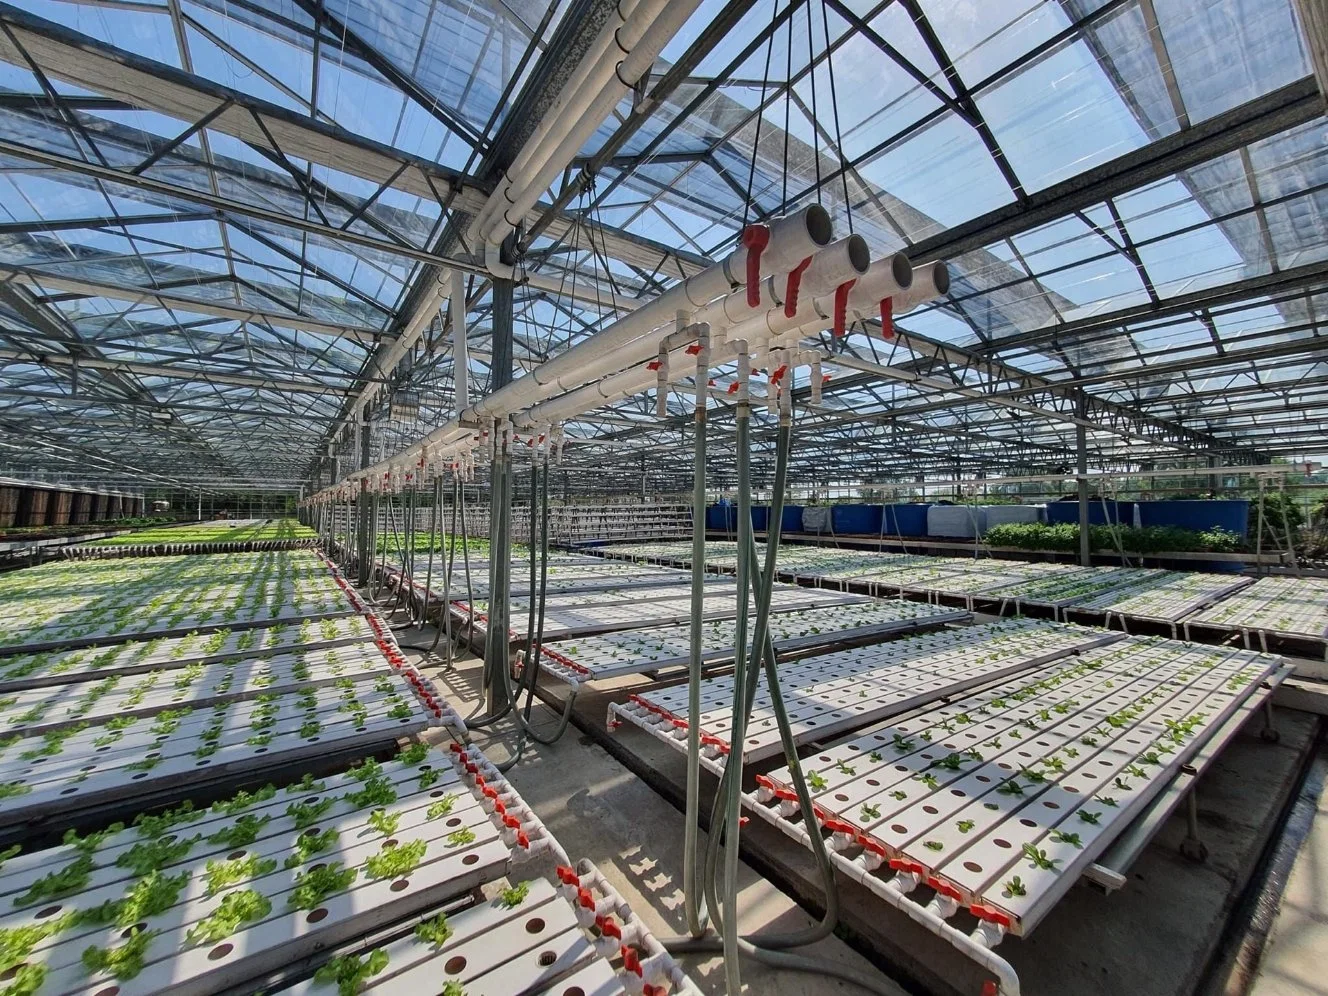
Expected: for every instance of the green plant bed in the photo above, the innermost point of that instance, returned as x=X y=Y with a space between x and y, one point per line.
x=215 y=532
x=1064 y=537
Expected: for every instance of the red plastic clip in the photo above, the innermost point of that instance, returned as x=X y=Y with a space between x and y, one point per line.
x=990 y=914
x=631 y=960
x=887 y=318
x=794 y=284
x=945 y=888
x=870 y=845
x=755 y=238
x=567 y=876
x=841 y=305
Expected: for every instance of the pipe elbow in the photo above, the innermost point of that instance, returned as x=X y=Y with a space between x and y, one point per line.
x=493 y=262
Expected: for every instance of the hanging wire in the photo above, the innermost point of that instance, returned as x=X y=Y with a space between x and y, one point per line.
x=816 y=115
x=788 y=106
x=834 y=106
x=760 y=116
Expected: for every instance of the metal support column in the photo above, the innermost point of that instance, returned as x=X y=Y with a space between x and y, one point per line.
x=500 y=504
x=1081 y=469
x=363 y=555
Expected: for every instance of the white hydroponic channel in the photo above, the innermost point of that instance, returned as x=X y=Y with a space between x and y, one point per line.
x=634 y=651
x=93 y=760
x=222 y=895
x=571 y=616
x=830 y=693
x=1007 y=794
x=1167 y=596
x=97 y=600
x=56 y=666
x=1295 y=606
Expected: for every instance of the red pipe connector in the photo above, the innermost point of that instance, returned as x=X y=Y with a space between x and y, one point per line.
x=887 y=318
x=794 y=283
x=755 y=238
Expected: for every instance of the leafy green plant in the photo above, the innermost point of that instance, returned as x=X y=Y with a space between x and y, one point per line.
x=123 y=961
x=442 y=807
x=316 y=884
x=515 y=896
x=376 y=792
x=154 y=825
x=384 y=822
x=1038 y=858
x=349 y=972
x=152 y=894
x=306 y=814
x=221 y=875
x=395 y=862
x=241 y=801
x=69 y=879
x=242 y=832
x=147 y=856
x=306 y=784
x=817 y=782
x=237 y=908
x=309 y=844
x=1015 y=887
x=869 y=813
x=414 y=754
x=459 y=838
x=434 y=931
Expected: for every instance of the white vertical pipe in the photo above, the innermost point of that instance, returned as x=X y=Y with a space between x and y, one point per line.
x=460 y=355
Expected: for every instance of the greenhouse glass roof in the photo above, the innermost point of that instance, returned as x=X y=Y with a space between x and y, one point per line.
x=222 y=218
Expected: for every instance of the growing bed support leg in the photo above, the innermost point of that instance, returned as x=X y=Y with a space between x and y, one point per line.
x=1192 y=847
x=1269 y=734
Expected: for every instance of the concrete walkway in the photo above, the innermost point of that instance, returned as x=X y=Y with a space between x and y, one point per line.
x=599 y=810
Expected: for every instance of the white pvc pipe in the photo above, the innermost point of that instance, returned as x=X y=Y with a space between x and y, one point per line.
x=929 y=280
x=842 y=261
x=460 y=354
x=642 y=48
x=623 y=29
x=887 y=277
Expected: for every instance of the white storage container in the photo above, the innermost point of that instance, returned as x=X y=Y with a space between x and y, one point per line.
x=956 y=521
x=816 y=519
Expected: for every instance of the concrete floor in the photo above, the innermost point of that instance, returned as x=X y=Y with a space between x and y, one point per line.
x=1291 y=964
x=599 y=810
x=620 y=807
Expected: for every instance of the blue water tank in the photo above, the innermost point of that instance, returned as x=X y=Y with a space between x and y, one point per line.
x=906 y=520
x=760 y=517
x=1230 y=514
x=1100 y=512
x=791 y=522
x=718 y=520
x=851 y=520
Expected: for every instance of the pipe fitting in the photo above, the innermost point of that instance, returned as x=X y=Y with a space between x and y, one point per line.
x=842 y=261
x=930 y=280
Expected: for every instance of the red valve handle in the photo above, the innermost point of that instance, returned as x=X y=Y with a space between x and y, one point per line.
x=755 y=238
x=567 y=876
x=631 y=960
x=887 y=318
x=904 y=865
x=944 y=888
x=794 y=283
x=778 y=375
x=694 y=349
x=841 y=305
x=653 y=365
x=990 y=915
x=733 y=388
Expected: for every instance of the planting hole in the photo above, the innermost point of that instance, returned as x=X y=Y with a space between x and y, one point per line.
x=1052 y=805
x=220 y=951
x=898 y=828
x=141 y=774
x=11 y=972
x=873 y=782
x=400 y=885
x=930 y=810
x=841 y=797
x=534 y=925
x=129 y=932
x=547 y=958
x=1027 y=822
x=1001 y=842
x=435 y=794
x=571 y=991
x=454 y=966
x=108 y=991
x=973 y=866
x=470 y=859
x=455 y=821
x=316 y=915
x=49 y=911
x=69 y=791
